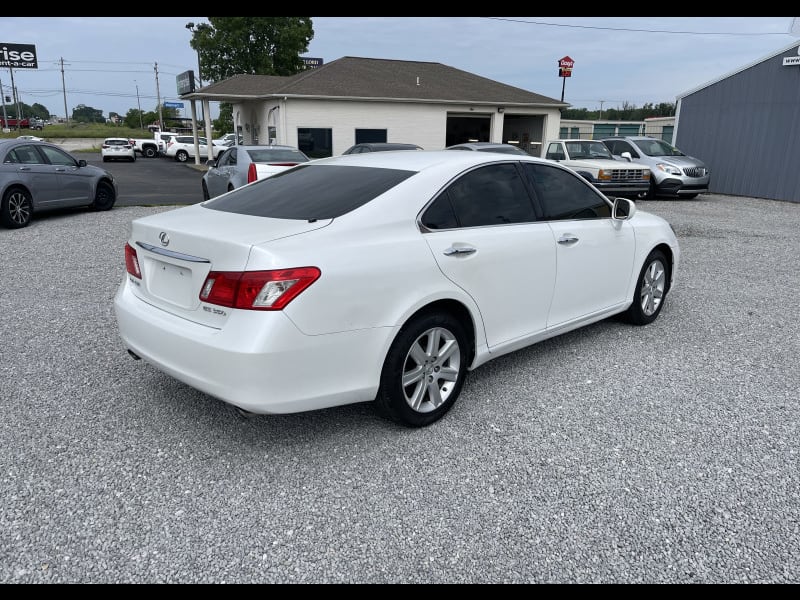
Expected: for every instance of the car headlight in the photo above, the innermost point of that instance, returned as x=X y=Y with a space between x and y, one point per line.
x=667 y=168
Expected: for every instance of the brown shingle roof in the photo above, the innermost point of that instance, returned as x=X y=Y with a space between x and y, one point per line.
x=353 y=77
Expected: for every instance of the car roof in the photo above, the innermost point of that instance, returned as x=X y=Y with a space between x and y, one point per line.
x=265 y=147
x=425 y=159
x=387 y=145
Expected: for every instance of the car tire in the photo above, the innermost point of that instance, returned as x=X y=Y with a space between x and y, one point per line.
x=206 y=196
x=650 y=194
x=149 y=152
x=651 y=290
x=105 y=159
x=104 y=197
x=16 y=208
x=181 y=156
x=424 y=370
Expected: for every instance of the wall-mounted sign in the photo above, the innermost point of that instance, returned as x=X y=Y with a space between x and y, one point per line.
x=173 y=104
x=311 y=63
x=185 y=83
x=18 y=56
x=791 y=61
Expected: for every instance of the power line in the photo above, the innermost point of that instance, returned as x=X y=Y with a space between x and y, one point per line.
x=631 y=29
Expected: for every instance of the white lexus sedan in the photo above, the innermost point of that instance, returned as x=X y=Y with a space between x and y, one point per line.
x=383 y=277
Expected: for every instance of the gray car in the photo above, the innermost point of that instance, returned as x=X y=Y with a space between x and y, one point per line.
x=240 y=165
x=39 y=176
x=673 y=173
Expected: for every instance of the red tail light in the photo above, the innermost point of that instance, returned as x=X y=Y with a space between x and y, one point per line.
x=283 y=164
x=252 y=174
x=132 y=262
x=257 y=290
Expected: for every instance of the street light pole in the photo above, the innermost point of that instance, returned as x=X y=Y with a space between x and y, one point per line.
x=191 y=27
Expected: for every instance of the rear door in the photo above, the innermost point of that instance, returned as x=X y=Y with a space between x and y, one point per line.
x=483 y=234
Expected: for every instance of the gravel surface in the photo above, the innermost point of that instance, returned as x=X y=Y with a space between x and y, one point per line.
x=614 y=454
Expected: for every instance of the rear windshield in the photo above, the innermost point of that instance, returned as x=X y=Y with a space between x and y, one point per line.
x=277 y=155
x=310 y=192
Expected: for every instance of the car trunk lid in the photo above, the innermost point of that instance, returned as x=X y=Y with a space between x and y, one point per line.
x=176 y=251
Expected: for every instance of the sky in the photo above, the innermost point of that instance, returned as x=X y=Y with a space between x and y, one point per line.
x=117 y=63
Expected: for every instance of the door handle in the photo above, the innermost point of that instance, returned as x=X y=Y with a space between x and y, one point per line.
x=24 y=169
x=568 y=239
x=60 y=170
x=463 y=250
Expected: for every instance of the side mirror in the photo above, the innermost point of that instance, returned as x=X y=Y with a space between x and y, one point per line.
x=211 y=163
x=623 y=209
x=82 y=162
x=626 y=156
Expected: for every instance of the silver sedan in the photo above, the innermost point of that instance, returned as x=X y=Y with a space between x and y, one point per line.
x=240 y=165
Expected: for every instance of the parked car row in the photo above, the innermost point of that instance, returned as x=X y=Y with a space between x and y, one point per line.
x=37 y=176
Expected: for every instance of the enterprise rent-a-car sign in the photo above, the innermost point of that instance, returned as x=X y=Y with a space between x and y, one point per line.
x=18 y=56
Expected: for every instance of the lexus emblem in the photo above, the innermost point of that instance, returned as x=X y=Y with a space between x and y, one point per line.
x=164 y=238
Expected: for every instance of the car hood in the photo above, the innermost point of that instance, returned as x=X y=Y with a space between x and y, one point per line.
x=679 y=161
x=604 y=163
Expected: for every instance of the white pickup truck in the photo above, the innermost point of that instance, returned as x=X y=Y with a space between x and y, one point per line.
x=149 y=147
x=592 y=160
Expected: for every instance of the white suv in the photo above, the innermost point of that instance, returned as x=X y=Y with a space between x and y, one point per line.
x=181 y=148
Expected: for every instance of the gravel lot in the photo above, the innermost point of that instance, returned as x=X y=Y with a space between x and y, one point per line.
x=614 y=454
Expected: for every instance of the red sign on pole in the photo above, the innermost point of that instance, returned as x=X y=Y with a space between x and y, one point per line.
x=565 y=67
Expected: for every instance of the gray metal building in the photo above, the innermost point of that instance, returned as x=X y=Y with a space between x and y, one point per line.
x=746 y=127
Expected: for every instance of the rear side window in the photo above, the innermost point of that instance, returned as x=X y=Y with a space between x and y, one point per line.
x=310 y=192
x=491 y=195
x=277 y=155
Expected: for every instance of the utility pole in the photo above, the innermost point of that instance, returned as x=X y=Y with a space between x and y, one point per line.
x=601 y=109
x=15 y=98
x=64 y=90
x=158 y=96
x=139 y=105
x=5 y=116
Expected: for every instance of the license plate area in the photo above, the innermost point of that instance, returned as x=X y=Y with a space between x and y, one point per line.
x=171 y=283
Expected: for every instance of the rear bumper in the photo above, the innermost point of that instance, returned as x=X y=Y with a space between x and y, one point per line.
x=259 y=361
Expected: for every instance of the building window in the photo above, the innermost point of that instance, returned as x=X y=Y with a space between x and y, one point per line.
x=367 y=136
x=315 y=142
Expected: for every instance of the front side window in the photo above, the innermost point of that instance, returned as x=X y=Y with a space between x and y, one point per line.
x=554 y=152
x=227 y=158
x=565 y=196
x=620 y=146
x=490 y=195
x=58 y=157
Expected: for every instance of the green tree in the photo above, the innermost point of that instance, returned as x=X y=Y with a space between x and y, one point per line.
x=132 y=119
x=224 y=123
x=87 y=114
x=229 y=46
